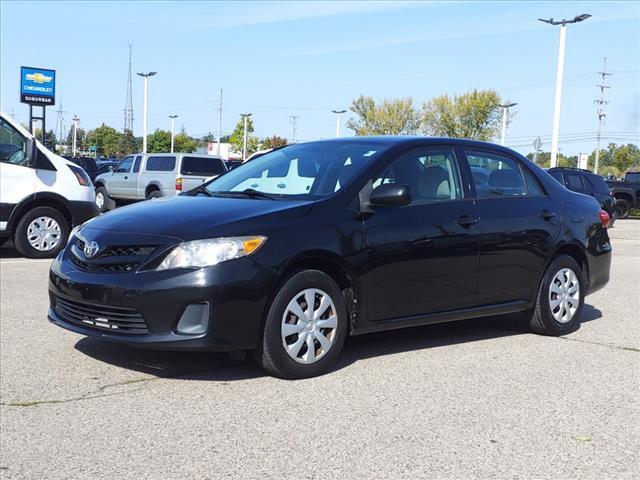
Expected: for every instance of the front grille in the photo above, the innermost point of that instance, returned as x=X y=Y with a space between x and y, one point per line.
x=104 y=267
x=101 y=317
x=130 y=258
x=120 y=251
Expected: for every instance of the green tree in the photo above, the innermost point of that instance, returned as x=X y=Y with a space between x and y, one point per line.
x=236 y=139
x=387 y=117
x=273 y=141
x=106 y=139
x=544 y=160
x=81 y=136
x=159 y=141
x=623 y=158
x=49 y=138
x=184 y=143
x=476 y=115
x=127 y=144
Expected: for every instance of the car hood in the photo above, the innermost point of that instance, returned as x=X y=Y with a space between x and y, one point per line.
x=192 y=218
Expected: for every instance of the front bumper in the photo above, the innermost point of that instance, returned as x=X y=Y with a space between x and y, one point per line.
x=236 y=292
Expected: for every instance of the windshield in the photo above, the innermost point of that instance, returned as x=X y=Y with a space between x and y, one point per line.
x=633 y=177
x=306 y=170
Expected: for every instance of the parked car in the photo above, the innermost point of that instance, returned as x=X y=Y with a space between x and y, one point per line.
x=231 y=164
x=154 y=175
x=88 y=164
x=42 y=195
x=385 y=237
x=626 y=193
x=588 y=183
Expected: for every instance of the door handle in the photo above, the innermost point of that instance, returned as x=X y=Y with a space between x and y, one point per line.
x=466 y=220
x=126 y=177
x=547 y=215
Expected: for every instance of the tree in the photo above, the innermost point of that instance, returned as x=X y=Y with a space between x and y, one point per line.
x=236 y=139
x=159 y=141
x=49 y=138
x=273 y=142
x=474 y=115
x=81 y=136
x=544 y=160
x=106 y=139
x=127 y=144
x=184 y=143
x=623 y=158
x=388 y=117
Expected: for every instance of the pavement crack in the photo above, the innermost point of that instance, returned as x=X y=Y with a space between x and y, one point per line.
x=34 y=403
x=609 y=345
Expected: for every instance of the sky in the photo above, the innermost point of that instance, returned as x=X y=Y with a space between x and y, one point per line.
x=278 y=59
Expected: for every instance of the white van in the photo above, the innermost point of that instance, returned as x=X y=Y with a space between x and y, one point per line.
x=152 y=175
x=42 y=195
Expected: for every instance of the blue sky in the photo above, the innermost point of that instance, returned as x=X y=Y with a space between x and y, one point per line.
x=277 y=59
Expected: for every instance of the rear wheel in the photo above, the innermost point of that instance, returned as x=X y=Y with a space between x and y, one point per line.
x=305 y=327
x=41 y=233
x=560 y=298
x=154 y=194
x=623 y=208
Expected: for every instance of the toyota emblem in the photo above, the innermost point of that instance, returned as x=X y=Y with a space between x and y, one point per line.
x=91 y=248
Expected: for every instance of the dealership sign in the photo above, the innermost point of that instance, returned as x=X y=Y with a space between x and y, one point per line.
x=37 y=86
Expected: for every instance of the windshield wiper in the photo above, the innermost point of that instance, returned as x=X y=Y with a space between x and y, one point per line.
x=248 y=192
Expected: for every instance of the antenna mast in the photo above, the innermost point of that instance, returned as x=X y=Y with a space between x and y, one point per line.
x=128 y=106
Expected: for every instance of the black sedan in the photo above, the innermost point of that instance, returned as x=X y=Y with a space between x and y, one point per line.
x=288 y=254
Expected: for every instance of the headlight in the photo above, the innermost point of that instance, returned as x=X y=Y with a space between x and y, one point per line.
x=73 y=233
x=205 y=253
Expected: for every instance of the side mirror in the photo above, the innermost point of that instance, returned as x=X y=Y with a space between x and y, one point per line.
x=390 y=195
x=111 y=169
x=32 y=151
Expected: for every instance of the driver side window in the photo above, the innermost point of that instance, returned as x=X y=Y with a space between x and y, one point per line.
x=13 y=146
x=125 y=165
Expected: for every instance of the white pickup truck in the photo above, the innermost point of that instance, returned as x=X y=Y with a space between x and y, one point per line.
x=152 y=175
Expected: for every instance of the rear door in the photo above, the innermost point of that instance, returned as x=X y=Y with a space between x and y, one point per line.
x=195 y=170
x=518 y=225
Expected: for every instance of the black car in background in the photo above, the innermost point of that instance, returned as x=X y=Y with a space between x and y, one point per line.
x=587 y=183
x=88 y=164
x=107 y=166
x=626 y=192
x=291 y=252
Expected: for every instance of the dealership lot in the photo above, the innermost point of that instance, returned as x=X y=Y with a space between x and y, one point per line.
x=475 y=399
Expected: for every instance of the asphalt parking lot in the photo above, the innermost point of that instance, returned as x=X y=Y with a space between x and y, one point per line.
x=474 y=399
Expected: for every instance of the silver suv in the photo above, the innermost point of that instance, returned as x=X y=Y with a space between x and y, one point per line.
x=153 y=175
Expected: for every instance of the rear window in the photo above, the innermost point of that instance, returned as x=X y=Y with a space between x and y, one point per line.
x=202 y=166
x=598 y=183
x=161 y=164
x=632 y=177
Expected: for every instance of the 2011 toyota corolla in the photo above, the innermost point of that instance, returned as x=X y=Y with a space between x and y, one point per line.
x=288 y=254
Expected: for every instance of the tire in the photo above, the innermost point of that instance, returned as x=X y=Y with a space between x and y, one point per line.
x=3 y=240
x=546 y=321
x=107 y=202
x=37 y=220
x=154 y=194
x=623 y=208
x=272 y=354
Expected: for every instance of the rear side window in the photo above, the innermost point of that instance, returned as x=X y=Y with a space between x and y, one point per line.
x=504 y=175
x=598 y=183
x=574 y=181
x=558 y=176
x=136 y=164
x=161 y=164
x=202 y=166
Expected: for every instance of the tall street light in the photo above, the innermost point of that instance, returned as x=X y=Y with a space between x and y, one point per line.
x=173 y=124
x=144 y=115
x=76 y=121
x=505 y=114
x=556 y=109
x=244 y=141
x=338 y=113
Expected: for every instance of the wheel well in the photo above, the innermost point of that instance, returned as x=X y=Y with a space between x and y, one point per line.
x=578 y=255
x=623 y=196
x=42 y=202
x=99 y=184
x=150 y=188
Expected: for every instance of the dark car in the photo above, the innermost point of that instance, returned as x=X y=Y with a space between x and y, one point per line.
x=626 y=193
x=231 y=164
x=587 y=183
x=288 y=254
x=88 y=164
x=105 y=167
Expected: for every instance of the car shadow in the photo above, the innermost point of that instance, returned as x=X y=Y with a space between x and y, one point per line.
x=9 y=251
x=221 y=367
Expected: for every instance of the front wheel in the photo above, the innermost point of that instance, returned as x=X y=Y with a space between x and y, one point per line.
x=41 y=233
x=305 y=327
x=560 y=298
x=103 y=202
x=623 y=208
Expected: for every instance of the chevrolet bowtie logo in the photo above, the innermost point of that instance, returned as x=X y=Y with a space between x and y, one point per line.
x=38 y=77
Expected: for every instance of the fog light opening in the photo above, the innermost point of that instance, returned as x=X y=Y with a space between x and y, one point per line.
x=194 y=319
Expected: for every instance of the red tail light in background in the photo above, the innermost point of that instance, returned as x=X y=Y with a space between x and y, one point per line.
x=604 y=218
x=179 y=185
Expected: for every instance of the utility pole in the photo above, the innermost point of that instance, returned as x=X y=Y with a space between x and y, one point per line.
x=219 y=122
x=559 y=74
x=128 y=105
x=145 y=115
x=601 y=102
x=338 y=113
x=294 y=122
x=173 y=124
x=505 y=114
x=76 y=121
x=245 y=116
x=60 y=122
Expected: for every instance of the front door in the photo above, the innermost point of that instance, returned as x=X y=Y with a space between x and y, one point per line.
x=119 y=183
x=422 y=257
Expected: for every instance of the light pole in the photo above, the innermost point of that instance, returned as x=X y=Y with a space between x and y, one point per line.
x=505 y=114
x=76 y=121
x=173 y=119
x=144 y=115
x=244 y=141
x=338 y=113
x=559 y=74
